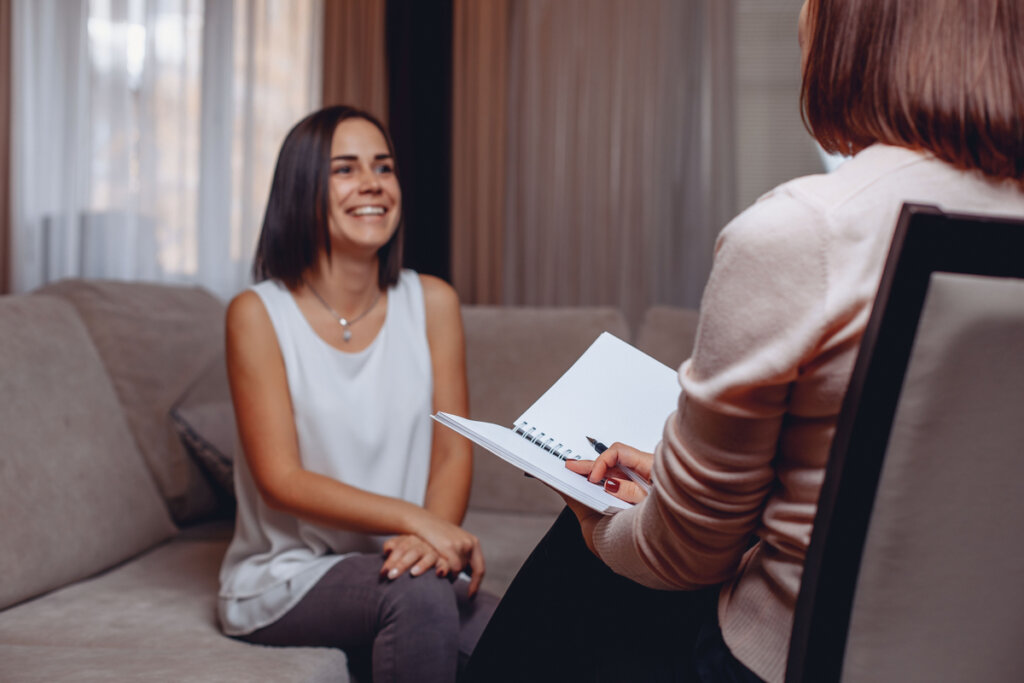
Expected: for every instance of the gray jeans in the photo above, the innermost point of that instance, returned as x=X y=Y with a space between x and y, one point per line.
x=411 y=629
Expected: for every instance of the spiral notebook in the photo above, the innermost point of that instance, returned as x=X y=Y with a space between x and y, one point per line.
x=613 y=392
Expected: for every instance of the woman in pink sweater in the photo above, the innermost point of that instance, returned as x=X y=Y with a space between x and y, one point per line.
x=699 y=580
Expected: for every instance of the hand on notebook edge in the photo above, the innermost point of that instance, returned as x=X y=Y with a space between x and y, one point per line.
x=616 y=482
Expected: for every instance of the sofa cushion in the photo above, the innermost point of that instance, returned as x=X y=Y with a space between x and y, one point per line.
x=667 y=333
x=513 y=354
x=151 y=619
x=75 y=495
x=230 y=663
x=154 y=340
x=205 y=420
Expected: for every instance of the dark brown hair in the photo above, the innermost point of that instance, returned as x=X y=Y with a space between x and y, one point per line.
x=295 y=226
x=944 y=76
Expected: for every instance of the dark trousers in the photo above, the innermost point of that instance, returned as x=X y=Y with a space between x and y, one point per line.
x=567 y=617
x=418 y=629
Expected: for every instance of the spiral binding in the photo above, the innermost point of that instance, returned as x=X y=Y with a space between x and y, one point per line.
x=542 y=440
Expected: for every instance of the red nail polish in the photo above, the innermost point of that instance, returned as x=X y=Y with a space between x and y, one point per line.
x=611 y=485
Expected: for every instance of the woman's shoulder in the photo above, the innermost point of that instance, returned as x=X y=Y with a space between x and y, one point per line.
x=787 y=215
x=246 y=313
x=441 y=307
x=873 y=173
x=249 y=330
x=802 y=208
x=438 y=295
x=244 y=305
x=253 y=301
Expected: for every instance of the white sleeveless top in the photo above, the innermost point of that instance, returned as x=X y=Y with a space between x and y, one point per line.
x=362 y=418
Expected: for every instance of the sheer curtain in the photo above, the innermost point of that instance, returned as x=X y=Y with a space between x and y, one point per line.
x=5 y=143
x=618 y=158
x=144 y=133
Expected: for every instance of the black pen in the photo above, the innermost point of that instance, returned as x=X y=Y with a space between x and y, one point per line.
x=640 y=481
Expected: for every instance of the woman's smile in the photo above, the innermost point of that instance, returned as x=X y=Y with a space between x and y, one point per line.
x=366 y=199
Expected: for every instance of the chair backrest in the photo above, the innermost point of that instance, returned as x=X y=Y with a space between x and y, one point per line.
x=915 y=565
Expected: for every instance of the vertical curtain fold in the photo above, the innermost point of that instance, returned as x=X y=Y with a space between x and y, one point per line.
x=617 y=165
x=718 y=72
x=50 y=150
x=479 y=102
x=5 y=144
x=278 y=73
x=711 y=187
x=354 y=63
x=216 y=138
x=620 y=151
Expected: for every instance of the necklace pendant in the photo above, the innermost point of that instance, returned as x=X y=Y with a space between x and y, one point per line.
x=345 y=323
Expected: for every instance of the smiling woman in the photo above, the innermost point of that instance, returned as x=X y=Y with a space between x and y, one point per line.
x=294 y=232
x=349 y=500
x=365 y=196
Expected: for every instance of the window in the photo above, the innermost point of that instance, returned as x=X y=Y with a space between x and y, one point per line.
x=172 y=112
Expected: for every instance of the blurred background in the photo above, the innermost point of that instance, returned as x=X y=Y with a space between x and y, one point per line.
x=552 y=152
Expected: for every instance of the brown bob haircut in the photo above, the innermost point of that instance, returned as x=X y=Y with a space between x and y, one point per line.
x=295 y=226
x=942 y=76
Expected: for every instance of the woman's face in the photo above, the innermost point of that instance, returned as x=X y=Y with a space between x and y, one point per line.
x=365 y=199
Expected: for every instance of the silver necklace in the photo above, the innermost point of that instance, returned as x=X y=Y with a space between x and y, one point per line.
x=342 y=320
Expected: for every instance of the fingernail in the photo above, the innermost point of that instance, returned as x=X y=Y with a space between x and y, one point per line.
x=611 y=485
x=393 y=574
x=415 y=571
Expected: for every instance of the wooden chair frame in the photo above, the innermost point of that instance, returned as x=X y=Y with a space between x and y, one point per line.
x=926 y=240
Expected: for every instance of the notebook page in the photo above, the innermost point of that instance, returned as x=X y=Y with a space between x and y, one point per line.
x=613 y=392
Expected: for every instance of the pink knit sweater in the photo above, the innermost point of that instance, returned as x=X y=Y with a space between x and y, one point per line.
x=782 y=316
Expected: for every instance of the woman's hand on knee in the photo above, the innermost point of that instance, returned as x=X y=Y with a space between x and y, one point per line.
x=408 y=553
x=459 y=550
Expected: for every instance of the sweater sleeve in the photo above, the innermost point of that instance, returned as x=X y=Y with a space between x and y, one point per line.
x=762 y=316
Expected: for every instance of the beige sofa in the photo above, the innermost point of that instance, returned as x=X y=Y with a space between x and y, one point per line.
x=114 y=501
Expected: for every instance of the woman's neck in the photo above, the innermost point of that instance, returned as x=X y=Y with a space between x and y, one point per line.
x=348 y=285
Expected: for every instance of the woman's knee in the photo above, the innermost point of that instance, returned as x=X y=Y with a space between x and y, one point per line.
x=424 y=599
